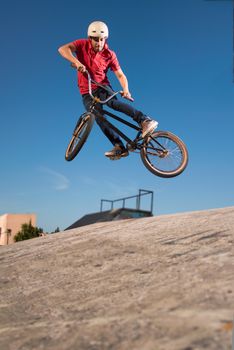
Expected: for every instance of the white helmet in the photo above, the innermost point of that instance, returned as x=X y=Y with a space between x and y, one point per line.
x=98 y=29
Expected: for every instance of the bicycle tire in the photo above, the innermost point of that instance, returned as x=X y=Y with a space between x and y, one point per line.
x=80 y=135
x=179 y=159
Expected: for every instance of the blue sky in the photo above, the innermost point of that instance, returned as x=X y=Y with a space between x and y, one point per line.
x=177 y=55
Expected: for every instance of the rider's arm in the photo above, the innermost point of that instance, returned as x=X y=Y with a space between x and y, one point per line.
x=67 y=52
x=123 y=82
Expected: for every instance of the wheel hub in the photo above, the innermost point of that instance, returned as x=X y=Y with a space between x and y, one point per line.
x=163 y=153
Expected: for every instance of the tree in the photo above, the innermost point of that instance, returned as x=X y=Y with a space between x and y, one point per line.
x=27 y=232
x=57 y=230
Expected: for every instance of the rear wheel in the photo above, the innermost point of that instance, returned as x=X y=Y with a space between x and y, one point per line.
x=80 y=135
x=164 y=154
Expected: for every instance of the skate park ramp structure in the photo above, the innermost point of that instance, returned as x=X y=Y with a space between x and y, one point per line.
x=119 y=213
x=110 y=215
x=156 y=283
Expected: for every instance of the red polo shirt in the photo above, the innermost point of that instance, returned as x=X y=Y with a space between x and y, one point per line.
x=97 y=63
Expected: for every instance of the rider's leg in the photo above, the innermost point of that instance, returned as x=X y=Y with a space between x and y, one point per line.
x=100 y=119
x=125 y=108
x=148 y=125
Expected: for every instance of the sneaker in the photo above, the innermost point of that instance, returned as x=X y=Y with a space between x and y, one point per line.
x=117 y=152
x=148 y=127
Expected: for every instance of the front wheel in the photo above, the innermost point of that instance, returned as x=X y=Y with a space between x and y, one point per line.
x=80 y=135
x=164 y=154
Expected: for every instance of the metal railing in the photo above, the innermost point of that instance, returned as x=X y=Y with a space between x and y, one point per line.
x=138 y=200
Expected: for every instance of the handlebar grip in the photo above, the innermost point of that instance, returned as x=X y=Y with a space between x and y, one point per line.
x=127 y=98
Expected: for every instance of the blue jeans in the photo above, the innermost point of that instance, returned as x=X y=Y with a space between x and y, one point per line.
x=115 y=104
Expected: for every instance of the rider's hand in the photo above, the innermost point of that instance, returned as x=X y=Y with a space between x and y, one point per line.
x=80 y=67
x=127 y=95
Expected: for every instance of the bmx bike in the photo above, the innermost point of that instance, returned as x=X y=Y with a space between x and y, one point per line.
x=163 y=153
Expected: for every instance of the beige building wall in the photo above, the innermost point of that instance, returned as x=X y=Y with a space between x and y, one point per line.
x=10 y=225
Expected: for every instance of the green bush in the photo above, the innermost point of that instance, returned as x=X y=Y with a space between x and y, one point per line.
x=27 y=232
x=55 y=231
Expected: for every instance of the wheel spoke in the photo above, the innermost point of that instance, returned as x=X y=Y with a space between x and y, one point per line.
x=170 y=157
x=80 y=134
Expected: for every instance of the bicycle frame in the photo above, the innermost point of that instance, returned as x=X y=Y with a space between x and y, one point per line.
x=134 y=143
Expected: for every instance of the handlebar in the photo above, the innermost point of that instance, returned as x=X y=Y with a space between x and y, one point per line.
x=90 y=80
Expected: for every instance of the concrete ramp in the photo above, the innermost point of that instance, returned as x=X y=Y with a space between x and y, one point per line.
x=158 y=283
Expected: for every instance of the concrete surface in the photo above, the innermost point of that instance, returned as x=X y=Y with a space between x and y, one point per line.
x=159 y=283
